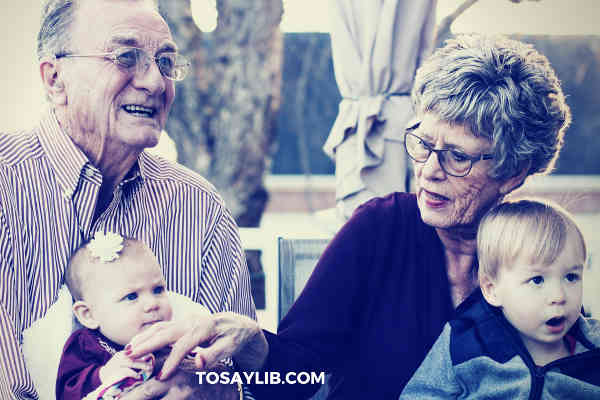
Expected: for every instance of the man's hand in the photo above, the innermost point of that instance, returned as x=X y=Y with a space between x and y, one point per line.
x=175 y=388
x=219 y=335
x=182 y=386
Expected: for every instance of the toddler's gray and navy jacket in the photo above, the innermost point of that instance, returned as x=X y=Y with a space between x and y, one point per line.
x=479 y=355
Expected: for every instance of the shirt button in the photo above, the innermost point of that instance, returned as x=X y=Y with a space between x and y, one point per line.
x=89 y=173
x=67 y=194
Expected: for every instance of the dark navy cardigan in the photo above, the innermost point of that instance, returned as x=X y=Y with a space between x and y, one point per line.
x=375 y=304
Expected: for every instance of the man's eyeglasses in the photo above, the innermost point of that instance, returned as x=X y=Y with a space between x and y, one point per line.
x=453 y=162
x=170 y=64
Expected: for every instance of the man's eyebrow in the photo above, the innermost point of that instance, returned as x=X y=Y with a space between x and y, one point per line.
x=167 y=47
x=125 y=41
x=133 y=42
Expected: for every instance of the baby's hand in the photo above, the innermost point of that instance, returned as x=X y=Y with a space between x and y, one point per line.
x=121 y=366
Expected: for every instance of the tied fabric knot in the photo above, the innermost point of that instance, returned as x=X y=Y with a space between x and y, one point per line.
x=358 y=114
x=360 y=132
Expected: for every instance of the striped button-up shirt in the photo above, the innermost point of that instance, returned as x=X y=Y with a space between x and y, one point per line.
x=48 y=193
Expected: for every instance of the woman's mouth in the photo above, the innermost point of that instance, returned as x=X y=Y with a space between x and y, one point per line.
x=434 y=200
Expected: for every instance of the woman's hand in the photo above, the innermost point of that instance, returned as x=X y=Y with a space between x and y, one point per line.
x=220 y=336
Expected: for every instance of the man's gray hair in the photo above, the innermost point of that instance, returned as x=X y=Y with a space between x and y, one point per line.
x=54 y=36
x=55 y=33
x=503 y=90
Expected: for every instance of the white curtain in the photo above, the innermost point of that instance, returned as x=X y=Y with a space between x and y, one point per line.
x=377 y=46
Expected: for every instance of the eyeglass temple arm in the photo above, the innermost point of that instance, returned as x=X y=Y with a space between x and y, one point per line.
x=108 y=55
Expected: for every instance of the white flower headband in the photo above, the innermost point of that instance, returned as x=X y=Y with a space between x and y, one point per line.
x=106 y=246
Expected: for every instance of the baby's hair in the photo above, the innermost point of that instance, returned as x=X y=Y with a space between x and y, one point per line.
x=532 y=228
x=83 y=258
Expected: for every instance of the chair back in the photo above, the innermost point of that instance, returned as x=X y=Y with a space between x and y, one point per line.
x=297 y=259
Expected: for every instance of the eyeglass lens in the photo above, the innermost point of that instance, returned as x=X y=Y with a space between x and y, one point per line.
x=453 y=162
x=170 y=64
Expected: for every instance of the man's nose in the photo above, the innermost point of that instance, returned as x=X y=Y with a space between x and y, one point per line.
x=148 y=76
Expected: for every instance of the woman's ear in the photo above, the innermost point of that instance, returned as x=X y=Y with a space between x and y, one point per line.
x=516 y=181
x=52 y=81
x=84 y=315
x=488 y=289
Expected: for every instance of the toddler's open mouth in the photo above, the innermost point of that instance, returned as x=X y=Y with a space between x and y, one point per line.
x=556 y=321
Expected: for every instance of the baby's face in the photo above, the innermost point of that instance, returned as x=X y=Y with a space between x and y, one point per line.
x=543 y=301
x=127 y=295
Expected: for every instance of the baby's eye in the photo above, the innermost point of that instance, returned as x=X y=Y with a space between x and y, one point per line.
x=159 y=290
x=537 y=280
x=572 y=277
x=131 y=296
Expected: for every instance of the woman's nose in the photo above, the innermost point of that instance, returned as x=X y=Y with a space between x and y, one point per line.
x=432 y=168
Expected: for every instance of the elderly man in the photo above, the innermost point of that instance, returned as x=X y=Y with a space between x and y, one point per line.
x=108 y=68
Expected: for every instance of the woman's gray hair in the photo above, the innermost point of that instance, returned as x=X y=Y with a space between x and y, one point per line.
x=54 y=36
x=503 y=90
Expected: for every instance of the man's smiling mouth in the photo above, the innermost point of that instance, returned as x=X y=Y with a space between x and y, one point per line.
x=139 y=111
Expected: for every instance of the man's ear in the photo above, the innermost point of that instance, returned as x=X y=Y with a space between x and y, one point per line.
x=52 y=81
x=516 y=181
x=488 y=289
x=83 y=312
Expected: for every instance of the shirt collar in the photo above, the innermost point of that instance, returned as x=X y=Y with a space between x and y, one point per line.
x=136 y=171
x=68 y=160
x=65 y=157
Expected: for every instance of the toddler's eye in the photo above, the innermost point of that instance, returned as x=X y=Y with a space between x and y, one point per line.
x=131 y=296
x=572 y=277
x=537 y=280
x=159 y=289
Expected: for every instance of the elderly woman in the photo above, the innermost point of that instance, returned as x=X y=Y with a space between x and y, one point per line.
x=490 y=113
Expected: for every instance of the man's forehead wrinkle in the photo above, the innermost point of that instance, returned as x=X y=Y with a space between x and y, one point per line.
x=140 y=38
